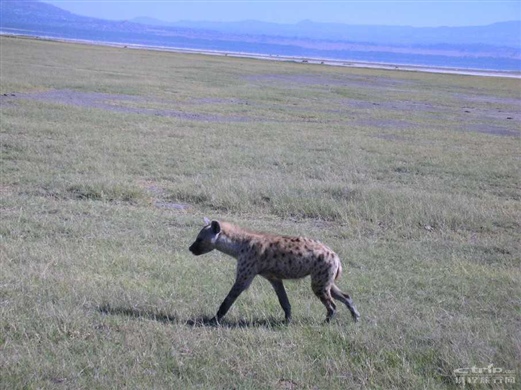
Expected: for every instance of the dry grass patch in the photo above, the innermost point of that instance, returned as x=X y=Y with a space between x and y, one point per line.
x=98 y=288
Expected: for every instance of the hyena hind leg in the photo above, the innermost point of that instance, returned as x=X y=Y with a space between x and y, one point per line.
x=327 y=301
x=346 y=300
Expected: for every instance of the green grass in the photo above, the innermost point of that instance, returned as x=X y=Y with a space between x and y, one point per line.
x=412 y=178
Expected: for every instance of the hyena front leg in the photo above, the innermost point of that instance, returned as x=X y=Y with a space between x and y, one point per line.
x=283 y=297
x=346 y=300
x=238 y=287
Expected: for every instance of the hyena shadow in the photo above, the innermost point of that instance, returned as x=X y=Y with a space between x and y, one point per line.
x=137 y=313
x=200 y=321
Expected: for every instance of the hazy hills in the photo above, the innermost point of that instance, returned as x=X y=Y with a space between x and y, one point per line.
x=496 y=46
x=505 y=34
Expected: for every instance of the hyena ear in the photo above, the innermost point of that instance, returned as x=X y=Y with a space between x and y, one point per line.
x=216 y=227
x=206 y=221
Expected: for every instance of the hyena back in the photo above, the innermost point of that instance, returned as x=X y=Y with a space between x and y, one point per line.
x=274 y=258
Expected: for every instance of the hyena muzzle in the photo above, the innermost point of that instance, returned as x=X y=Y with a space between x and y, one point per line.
x=275 y=258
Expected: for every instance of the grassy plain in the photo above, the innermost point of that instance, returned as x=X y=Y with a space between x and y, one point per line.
x=111 y=157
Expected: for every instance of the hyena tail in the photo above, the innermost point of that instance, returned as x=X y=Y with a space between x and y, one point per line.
x=339 y=271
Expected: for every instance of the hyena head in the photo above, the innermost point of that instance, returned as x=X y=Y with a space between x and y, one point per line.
x=205 y=241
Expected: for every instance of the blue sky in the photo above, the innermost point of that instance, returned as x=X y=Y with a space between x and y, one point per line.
x=419 y=13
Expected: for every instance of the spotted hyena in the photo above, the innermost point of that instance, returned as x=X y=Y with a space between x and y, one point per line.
x=274 y=258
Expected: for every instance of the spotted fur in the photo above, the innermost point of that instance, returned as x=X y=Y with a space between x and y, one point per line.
x=275 y=258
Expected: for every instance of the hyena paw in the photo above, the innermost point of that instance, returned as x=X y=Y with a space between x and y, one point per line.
x=213 y=322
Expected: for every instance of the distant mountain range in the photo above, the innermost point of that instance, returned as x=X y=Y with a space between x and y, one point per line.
x=504 y=34
x=496 y=46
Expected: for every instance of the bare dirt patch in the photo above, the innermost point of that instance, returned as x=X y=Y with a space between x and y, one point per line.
x=119 y=103
x=491 y=129
x=157 y=195
x=395 y=105
x=490 y=115
x=392 y=137
x=385 y=123
x=503 y=109
x=211 y=100
x=327 y=81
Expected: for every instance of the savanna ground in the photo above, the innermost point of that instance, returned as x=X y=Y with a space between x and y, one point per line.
x=111 y=157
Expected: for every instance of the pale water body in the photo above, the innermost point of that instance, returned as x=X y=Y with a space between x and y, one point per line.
x=174 y=42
